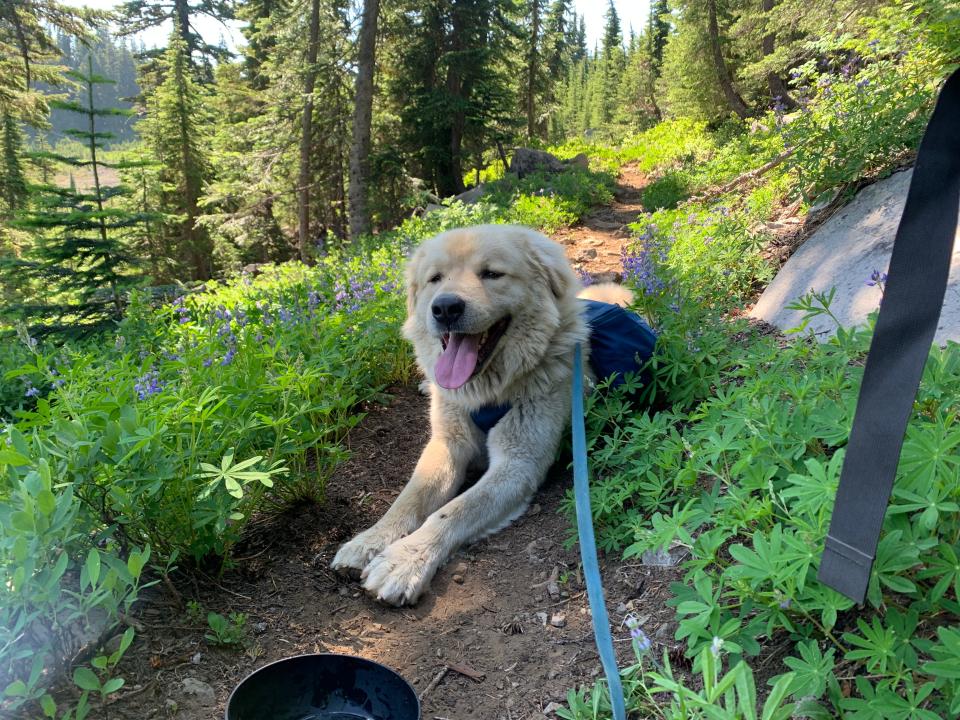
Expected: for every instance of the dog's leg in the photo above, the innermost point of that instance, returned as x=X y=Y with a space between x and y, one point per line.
x=522 y=446
x=439 y=474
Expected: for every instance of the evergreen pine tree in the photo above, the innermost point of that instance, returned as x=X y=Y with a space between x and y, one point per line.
x=612 y=33
x=534 y=79
x=80 y=255
x=455 y=87
x=658 y=27
x=557 y=39
x=176 y=139
x=28 y=52
x=13 y=183
x=201 y=56
x=612 y=65
x=578 y=40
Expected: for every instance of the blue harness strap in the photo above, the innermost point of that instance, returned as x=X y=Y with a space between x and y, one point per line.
x=620 y=343
x=488 y=416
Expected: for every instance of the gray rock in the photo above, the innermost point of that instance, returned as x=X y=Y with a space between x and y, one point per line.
x=661 y=557
x=472 y=195
x=526 y=161
x=197 y=692
x=842 y=254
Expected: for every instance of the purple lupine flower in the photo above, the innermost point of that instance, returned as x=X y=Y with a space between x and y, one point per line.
x=585 y=278
x=181 y=310
x=862 y=83
x=228 y=358
x=825 y=83
x=779 y=109
x=716 y=645
x=32 y=392
x=208 y=362
x=642 y=267
x=642 y=642
x=148 y=384
x=877 y=278
x=785 y=604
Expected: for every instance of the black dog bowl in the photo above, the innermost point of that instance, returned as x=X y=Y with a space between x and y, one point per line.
x=323 y=687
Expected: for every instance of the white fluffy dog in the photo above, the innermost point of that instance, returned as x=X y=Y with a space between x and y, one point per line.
x=493 y=317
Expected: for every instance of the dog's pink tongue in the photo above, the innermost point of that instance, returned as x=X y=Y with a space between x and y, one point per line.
x=458 y=360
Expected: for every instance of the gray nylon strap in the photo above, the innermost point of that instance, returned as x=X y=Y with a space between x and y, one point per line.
x=913 y=296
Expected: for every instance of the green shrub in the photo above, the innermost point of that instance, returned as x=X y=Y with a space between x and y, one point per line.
x=869 y=107
x=667 y=191
x=679 y=140
x=172 y=433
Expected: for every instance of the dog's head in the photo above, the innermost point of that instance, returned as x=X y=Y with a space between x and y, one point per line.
x=483 y=304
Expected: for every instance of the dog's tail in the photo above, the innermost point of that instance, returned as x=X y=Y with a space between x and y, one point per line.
x=607 y=292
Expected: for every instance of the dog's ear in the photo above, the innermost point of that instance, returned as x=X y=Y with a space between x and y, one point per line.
x=411 y=273
x=550 y=261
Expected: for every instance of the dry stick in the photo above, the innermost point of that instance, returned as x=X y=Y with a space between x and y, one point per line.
x=753 y=174
x=436 y=681
x=466 y=670
x=174 y=593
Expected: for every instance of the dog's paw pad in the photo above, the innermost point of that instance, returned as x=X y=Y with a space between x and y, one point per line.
x=399 y=575
x=356 y=554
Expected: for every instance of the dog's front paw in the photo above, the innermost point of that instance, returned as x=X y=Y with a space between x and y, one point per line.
x=355 y=555
x=400 y=574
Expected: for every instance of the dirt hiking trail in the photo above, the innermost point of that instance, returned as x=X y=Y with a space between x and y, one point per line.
x=504 y=630
x=595 y=244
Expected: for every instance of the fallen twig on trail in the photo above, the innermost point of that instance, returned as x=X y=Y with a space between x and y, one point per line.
x=436 y=681
x=467 y=671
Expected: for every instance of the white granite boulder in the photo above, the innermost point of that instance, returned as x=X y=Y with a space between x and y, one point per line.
x=843 y=253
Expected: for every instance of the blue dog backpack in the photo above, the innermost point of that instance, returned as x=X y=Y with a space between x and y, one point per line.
x=620 y=343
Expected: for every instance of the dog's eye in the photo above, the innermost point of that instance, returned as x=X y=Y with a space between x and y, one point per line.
x=490 y=275
x=436 y=278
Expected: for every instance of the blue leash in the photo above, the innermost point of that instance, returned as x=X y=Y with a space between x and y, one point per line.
x=588 y=545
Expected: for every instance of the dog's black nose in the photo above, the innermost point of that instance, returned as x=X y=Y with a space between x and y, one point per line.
x=447 y=309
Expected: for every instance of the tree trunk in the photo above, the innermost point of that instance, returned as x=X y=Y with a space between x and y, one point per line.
x=362 y=115
x=181 y=9
x=532 y=69
x=734 y=101
x=778 y=88
x=450 y=172
x=306 y=134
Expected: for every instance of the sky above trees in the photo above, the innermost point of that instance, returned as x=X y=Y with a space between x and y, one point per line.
x=632 y=13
